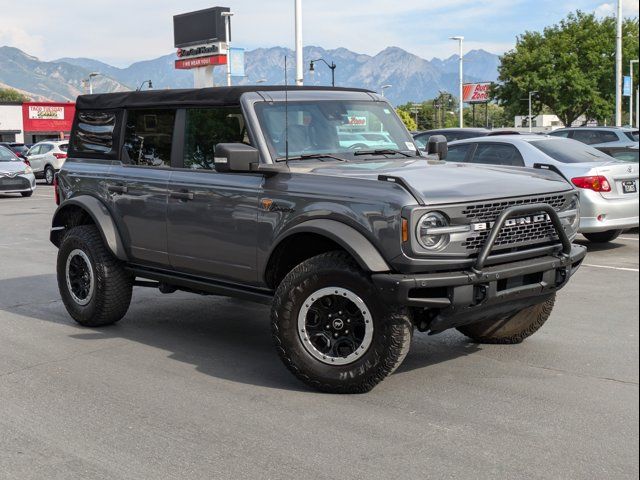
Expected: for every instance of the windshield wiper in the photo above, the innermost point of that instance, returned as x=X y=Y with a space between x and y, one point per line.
x=382 y=151
x=312 y=156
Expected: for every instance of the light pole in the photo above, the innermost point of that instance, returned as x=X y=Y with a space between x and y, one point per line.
x=148 y=82
x=227 y=27
x=383 y=88
x=531 y=94
x=619 y=65
x=298 y=28
x=332 y=66
x=91 y=75
x=459 y=39
x=631 y=62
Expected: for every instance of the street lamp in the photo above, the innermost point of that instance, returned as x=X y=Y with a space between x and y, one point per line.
x=531 y=94
x=332 y=66
x=91 y=75
x=459 y=39
x=631 y=62
x=227 y=26
x=148 y=82
x=383 y=88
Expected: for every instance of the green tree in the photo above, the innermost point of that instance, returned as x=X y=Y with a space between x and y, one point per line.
x=497 y=116
x=407 y=119
x=11 y=95
x=571 y=65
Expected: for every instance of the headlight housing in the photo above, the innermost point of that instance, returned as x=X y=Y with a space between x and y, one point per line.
x=427 y=231
x=28 y=170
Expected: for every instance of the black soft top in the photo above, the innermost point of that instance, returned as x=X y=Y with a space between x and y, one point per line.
x=215 y=96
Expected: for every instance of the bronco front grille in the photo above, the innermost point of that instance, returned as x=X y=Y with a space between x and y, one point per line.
x=487 y=212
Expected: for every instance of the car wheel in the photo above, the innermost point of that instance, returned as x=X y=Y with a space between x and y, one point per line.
x=333 y=331
x=49 y=174
x=26 y=194
x=603 y=237
x=513 y=329
x=95 y=287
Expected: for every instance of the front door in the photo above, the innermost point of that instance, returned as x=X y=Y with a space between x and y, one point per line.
x=212 y=217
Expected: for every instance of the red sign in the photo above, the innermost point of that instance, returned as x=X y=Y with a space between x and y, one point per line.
x=47 y=116
x=187 y=63
x=476 y=92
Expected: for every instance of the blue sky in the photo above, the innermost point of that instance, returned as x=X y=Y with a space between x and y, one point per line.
x=123 y=31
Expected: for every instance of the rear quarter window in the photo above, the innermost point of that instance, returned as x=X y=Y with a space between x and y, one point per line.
x=569 y=151
x=94 y=132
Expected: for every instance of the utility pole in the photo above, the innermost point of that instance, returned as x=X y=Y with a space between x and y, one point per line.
x=227 y=26
x=619 y=65
x=631 y=62
x=91 y=75
x=531 y=93
x=298 y=27
x=459 y=39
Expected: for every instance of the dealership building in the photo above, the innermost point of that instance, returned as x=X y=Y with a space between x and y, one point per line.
x=32 y=122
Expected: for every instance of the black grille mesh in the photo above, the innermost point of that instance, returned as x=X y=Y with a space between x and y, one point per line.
x=487 y=212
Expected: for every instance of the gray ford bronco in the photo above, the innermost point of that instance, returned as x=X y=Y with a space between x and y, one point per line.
x=316 y=201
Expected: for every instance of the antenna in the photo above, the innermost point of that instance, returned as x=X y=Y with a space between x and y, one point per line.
x=286 y=112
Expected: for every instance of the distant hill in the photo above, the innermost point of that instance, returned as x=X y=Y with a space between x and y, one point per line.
x=413 y=78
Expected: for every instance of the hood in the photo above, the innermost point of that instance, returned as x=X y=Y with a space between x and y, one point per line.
x=441 y=182
x=12 y=167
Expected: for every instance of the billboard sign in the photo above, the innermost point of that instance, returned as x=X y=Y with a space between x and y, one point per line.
x=236 y=60
x=47 y=116
x=46 y=112
x=357 y=121
x=210 y=61
x=199 y=27
x=476 y=92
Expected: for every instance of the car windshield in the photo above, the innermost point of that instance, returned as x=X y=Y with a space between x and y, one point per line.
x=7 y=155
x=569 y=151
x=633 y=135
x=340 y=128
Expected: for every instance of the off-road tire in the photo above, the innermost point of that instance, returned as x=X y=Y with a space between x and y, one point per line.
x=49 y=174
x=113 y=284
x=513 y=329
x=26 y=194
x=603 y=237
x=392 y=326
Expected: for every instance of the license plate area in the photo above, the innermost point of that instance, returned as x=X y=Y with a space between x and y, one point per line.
x=629 y=186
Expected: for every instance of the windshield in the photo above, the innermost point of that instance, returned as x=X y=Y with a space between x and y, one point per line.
x=569 y=151
x=633 y=135
x=7 y=155
x=341 y=128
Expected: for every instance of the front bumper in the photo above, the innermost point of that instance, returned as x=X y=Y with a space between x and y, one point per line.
x=599 y=214
x=463 y=297
x=18 y=184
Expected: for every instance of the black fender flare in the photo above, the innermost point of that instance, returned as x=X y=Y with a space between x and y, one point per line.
x=100 y=215
x=358 y=246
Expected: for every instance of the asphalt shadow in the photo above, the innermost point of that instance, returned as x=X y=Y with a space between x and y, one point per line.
x=222 y=337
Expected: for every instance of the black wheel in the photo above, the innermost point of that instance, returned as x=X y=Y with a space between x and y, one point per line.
x=95 y=288
x=27 y=194
x=49 y=174
x=333 y=331
x=603 y=237
x=513 y=329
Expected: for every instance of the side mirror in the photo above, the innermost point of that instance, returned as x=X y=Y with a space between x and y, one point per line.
x=438 y=146
x=235 y=157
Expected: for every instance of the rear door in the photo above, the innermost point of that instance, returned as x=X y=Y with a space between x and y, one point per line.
x=212 y=217
x=35 y=159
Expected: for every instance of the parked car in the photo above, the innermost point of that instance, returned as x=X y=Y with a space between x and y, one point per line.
x=608 y=188
x=46 y=158
x=625 y=154
x=353 y=248
x=600 y=136
x=453 y=134
x=19 y=149
x=15 y=175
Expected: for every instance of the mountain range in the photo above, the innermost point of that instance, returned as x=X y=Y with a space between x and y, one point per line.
x=412 y=78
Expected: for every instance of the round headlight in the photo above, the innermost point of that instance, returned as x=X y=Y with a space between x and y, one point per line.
x=428 y=239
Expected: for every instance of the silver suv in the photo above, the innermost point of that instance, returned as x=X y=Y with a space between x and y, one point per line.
x=600 y=136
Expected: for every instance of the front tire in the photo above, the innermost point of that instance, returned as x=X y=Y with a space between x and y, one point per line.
x=603 y=237
x=332 y=330
x=27 y=194
x=94 y=286
x=49 y=174
x=513 y=329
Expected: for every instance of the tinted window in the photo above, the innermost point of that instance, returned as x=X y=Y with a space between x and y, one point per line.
x=498 y=154
x=45 y=148
x=633 y=136
x=563 y=134
x=458 y=153
x=94 y=132
x=207 y=127
x=625 y=155
x=148 y=136
x=569 y=151
x=422 y=140
x=591 y=137
x=606 y=137
x=7 y=155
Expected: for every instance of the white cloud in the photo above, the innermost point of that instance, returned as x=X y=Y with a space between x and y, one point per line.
x=20 y=38
x=629 y=8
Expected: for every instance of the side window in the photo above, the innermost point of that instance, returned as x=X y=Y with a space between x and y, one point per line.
x=458 y=153
x=205 y=128
x=586 y=136
x=498 y=154
x=605 y=137
x=94 y=132
x=148 y=136
x=45 y=148
x=35 y=150
x=422 y=140
x=562 y=134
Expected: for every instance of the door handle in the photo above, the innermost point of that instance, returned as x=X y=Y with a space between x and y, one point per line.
x=182 y=195
x=117 y=189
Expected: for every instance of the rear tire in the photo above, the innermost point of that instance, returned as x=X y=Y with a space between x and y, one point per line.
x=313 y=308
x=49 y=174
x=94 y=286
x=603 y=237
x=510 y=330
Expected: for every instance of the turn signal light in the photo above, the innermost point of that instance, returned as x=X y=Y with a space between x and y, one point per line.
x=60 y=155
x=597 y=183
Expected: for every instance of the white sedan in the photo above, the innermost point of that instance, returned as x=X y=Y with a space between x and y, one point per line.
x=15 y=175
x=608 y=188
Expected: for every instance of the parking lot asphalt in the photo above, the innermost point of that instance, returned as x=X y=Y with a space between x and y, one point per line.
x=190 y=387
